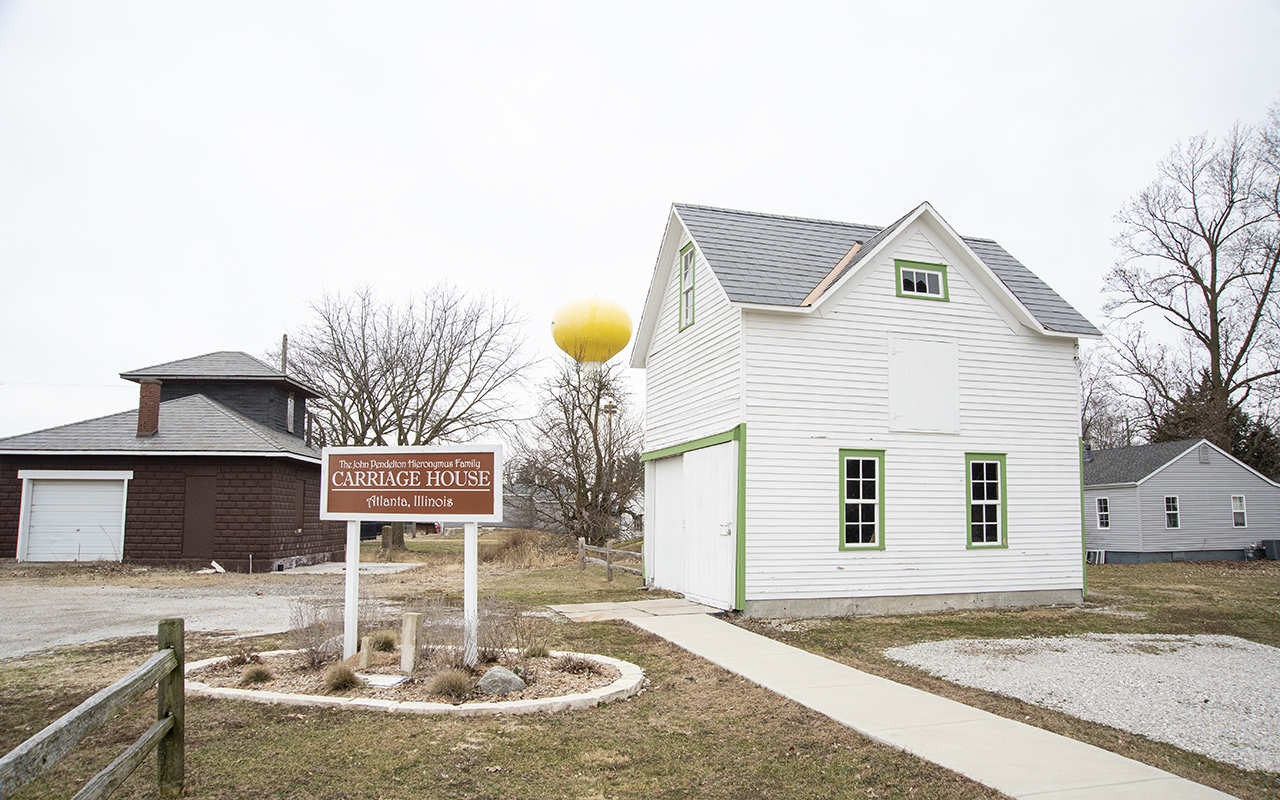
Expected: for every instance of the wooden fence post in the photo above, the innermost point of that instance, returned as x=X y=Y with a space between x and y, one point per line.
x=582 y=554
x=409 y=642
x=608 y=562
x=170 y=753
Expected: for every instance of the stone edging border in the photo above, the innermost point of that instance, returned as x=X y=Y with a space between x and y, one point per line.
x=628 y=684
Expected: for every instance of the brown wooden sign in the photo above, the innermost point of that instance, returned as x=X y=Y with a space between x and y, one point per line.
x=427 y=484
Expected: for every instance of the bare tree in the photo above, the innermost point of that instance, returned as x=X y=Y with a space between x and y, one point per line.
x=1106 y=415
x=1200 y=248
x=438 y=368
x=578 y=464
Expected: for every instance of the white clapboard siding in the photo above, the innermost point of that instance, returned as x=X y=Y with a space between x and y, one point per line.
x=816 y=385
x=693 y=383
x=75 y=520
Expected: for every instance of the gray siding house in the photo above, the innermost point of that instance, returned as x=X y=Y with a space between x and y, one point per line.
x=1175 y=501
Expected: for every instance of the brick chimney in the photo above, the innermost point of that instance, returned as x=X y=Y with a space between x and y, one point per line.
x=148 y=407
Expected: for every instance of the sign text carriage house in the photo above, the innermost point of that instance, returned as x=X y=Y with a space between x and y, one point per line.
x=850 y=419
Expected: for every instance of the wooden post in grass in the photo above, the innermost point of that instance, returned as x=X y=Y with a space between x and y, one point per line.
x=582 y=554
x=608 y=562
x=170 y=754
x=409 y=642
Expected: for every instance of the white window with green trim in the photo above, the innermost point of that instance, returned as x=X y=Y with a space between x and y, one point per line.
x=988 y=506
x=861 y=499
x=688 y=255
x=922 y=280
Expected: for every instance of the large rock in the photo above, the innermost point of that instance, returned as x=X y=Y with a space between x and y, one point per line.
x=500 y=680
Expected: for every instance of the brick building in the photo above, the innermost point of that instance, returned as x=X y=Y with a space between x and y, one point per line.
x=214 y=465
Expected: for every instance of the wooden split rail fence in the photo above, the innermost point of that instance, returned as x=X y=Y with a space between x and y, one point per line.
x=608 y=560
x=163 y=670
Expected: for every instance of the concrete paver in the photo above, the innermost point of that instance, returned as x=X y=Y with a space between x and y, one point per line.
x=1020 y=760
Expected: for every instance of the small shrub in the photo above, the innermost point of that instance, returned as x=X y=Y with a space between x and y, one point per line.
x=452 y=683
x=536 y=650
x=382 y=641
x=340 y=677
x=256 y=673
x=577 y=665
x=243 y=657
x=313 y=623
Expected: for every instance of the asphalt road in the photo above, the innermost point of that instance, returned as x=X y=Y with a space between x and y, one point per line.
x=38 y=616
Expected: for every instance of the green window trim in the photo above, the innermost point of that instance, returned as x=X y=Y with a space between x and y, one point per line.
x=944 y=290
x=876 y=457
x=1002 y=522
x=688 y=295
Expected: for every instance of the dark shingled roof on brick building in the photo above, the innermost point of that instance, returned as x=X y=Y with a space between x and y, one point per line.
x=225 y=365
x=778 y=260
x=189 y=425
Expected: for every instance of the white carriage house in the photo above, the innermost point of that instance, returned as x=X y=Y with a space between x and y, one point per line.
x=1176 y=501
x=849 y=419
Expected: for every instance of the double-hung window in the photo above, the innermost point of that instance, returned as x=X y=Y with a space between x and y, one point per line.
x=687 y=257
x=1237 y=511
x=861 y=499
x=1171 y=512
x=988 y=524
x=1104 y=514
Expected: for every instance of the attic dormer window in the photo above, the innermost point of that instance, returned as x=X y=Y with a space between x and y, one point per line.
x=687 y=257
x=918 y=279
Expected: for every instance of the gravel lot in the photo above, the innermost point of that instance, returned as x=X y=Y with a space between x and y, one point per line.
x=1215 y=695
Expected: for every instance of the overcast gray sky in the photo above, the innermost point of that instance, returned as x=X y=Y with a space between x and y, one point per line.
x=178 y=178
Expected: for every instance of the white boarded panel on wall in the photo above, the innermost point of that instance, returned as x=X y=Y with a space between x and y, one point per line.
x=923 y=393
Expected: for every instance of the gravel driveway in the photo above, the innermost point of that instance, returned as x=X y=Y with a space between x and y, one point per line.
x=1215 y=695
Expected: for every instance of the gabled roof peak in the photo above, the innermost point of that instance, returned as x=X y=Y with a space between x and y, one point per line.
x=777 y=260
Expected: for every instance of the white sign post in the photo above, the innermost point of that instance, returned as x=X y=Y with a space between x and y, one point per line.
x=412 y=484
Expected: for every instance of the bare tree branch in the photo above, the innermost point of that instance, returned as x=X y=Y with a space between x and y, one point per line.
x=1198 y=248
x=440 y=368
x=578 y=465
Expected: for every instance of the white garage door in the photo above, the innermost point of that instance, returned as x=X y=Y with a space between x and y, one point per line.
x=72 y=518
x=691 y=516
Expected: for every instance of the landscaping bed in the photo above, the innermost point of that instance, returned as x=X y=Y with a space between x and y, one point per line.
x=289 y=672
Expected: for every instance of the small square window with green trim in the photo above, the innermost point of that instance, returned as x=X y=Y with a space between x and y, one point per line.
x=861 y=499
x=919 y=279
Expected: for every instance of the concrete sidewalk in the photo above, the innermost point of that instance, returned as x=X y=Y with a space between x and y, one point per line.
x=1020 y=760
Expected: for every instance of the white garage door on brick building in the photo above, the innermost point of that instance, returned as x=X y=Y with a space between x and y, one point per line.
x=72 y=515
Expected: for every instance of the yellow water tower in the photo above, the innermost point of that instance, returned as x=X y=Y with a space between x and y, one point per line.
x=591 y=331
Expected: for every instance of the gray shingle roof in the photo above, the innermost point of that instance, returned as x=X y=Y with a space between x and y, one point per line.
x=778 y=260
x=219 y=366
x=192 y=424
x=1132 y=464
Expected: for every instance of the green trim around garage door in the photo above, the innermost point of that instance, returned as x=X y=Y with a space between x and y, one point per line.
x=737 y=434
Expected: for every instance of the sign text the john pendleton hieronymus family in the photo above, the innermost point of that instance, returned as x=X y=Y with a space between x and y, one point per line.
x=373 y=483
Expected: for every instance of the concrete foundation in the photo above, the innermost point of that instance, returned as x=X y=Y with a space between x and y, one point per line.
x=806 y=608
x=1123 y=557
